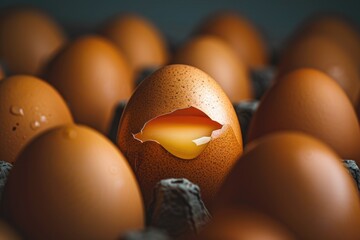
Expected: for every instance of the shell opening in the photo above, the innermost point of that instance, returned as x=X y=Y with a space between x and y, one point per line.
x=185 y=133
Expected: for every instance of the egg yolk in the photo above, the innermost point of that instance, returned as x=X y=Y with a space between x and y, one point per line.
x=184 y=133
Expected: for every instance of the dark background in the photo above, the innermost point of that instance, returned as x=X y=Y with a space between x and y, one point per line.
x=176 y=19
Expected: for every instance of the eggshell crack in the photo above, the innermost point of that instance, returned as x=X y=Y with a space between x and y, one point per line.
x=185 y=133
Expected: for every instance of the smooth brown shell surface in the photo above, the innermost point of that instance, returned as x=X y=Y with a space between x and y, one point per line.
x=170 y=88
x=213 y=56
x=336 y=27
x=93 y=76
x=322 y=53
x=139 y=40
x=309 y=101
x=28 y=106
x=243 y=224
x=242 y=36
x=287 y=177
x=72 y=183
x=28 y=39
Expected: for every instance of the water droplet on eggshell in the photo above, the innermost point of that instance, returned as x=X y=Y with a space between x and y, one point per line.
x=35 y=125
x=18 y=111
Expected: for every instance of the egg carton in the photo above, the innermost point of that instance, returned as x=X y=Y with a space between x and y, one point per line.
x=176 y=208
x=5 y=168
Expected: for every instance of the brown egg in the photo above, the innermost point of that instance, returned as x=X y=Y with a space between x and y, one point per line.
x=287 y=176
x=243 y=224
x=7 y=233
x=180 y=124
x=320 y=52
x=142 y=43
x=28 y=106
x=93 y=77
x=337 y=28
x=309 y=101
x=213 y=56
x=241 y=34
x=72 y=183
x=28 y=39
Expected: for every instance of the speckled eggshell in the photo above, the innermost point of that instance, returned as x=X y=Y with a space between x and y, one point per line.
x=93 y=76
x=175 y=87
x=28 y=106
x=28 y=39
x=72 y=183
x=213 y=56
x=309 y=101
x=139 y=40
x=298 y=181
x=243 y=224
x=241 y=34
x=323 y=53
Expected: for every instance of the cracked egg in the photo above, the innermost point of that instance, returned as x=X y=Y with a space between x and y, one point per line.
x=179 y=123
x=184 y=133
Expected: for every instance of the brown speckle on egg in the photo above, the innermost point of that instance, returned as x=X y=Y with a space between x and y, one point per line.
x=161 y=94
x=24 y=103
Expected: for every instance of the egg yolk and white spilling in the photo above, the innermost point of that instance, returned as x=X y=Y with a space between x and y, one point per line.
x=184 y=132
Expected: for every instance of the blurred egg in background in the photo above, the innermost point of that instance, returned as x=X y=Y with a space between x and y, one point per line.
x=29 y=37
x=309 y=101
x=178 y=83
x=325 y=54
x=93 y=76
x=141 y=42
x=241 y=35
x=336 y=26
x=215 y=57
